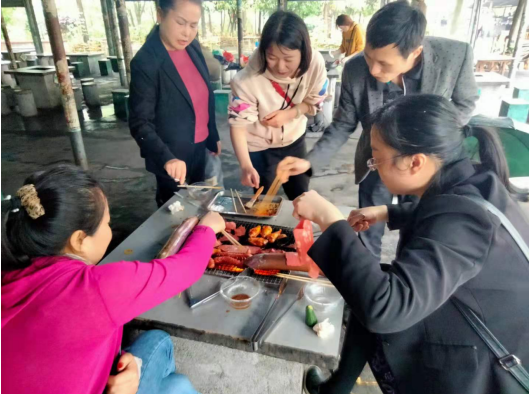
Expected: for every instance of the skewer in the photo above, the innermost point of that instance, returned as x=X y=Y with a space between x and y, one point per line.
x=304 y=279
x=233 y=200
x=199 y=187
x=231 y=239
x=241 y=202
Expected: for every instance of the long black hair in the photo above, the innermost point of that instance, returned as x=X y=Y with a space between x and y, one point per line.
x=286 y=29
x=430 y=124
x=72 y=200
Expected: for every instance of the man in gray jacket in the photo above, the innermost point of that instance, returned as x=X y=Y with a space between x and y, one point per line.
x=397 y=60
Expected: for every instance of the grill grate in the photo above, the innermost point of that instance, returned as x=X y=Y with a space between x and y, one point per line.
x=280 y=244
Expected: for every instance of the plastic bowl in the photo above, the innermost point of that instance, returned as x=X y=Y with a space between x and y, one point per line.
x=201 y=195
x=322 y=298
x=240 y=291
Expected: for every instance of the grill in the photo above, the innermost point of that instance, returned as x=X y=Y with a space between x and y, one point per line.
x=281 y=244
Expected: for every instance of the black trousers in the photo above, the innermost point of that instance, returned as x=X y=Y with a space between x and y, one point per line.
x=266 y=161
x=373 y=192
x=195 y=165
x=357 y=349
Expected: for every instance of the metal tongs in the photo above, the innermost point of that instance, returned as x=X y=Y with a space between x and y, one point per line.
x=267 y=324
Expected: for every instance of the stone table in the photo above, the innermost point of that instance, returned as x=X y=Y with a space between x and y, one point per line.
x=216 y=322
x=40 y=80
x=89 y=60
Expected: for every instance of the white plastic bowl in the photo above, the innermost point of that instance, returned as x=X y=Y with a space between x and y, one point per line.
x=322 y=298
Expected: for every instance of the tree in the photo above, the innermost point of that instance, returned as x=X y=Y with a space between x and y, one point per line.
x=304 y=9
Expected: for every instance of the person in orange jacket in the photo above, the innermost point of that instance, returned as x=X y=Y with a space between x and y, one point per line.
x=353 y=39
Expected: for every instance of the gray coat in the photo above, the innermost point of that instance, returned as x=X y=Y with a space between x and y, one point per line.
x=447 y=71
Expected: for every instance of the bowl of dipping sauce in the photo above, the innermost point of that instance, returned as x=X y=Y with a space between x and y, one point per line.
x=240 y=291
x=322 y=298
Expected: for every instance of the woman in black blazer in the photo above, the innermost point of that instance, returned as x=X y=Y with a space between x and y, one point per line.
x=404 y=320
x=172 y=114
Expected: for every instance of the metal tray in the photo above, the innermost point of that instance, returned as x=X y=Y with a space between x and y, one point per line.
x=223 y=203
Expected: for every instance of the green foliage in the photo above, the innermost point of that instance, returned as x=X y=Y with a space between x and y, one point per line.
x=305 y=9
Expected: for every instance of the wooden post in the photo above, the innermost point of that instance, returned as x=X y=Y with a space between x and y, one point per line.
x=116 y=38
x=8 y=45
x=523 y=25
x=63 y=75
x=111 y=45
x=33 y=26
x=123 y=21
x=239 y=30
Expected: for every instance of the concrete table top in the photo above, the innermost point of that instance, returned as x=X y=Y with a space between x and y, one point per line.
x=85 y=54
x=216 y=322
x=33 y=70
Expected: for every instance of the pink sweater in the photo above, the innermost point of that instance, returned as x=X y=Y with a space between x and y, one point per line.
x=62 y=320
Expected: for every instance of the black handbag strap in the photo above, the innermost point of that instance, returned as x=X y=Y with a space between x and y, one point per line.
x=508 y=361
x=504 y=221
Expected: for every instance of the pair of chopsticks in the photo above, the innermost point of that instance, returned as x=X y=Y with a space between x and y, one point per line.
x=234 y=201
x=304 y=279
x=271 y=193
x=199 y=187
x=232 y=240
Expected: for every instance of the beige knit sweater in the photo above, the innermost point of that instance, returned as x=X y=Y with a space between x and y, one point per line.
x=254 y=97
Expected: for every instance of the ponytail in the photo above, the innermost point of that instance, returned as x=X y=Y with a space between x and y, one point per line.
x=43 y=215
x=492 y=156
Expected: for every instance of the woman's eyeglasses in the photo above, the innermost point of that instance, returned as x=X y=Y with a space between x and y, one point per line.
x=373 y=163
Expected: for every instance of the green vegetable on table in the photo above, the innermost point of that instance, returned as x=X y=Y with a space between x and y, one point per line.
x=310 y=317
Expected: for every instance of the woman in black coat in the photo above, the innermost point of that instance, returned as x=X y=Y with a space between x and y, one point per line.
x=404 y=320
x=172 y=114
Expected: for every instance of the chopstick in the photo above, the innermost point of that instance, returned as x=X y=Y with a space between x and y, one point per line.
x=304 y=279
x=230 y=238
x=271 y=193
x=199 y=187
x=241 y=202
x=233 y=200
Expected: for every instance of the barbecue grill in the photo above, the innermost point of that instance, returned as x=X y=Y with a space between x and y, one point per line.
x=282 y=244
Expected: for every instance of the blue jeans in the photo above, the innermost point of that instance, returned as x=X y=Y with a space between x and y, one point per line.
x=158 y=373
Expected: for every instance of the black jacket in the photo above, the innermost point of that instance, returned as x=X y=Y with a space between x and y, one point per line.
x=162 y=119
x=450 y=247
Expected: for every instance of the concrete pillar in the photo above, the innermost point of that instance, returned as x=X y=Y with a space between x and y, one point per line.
x=91 y=94
x=26 y=103
x=33 y=26
x=119 y=52
x=63 y=74
x=123 y=21
x=5 y=105
x=78 y=94
x=108 y=33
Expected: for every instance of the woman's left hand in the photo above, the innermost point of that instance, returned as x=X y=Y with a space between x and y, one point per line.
x=312 y=206
x=218 y=150
x=279 y=118
x=127 y=379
